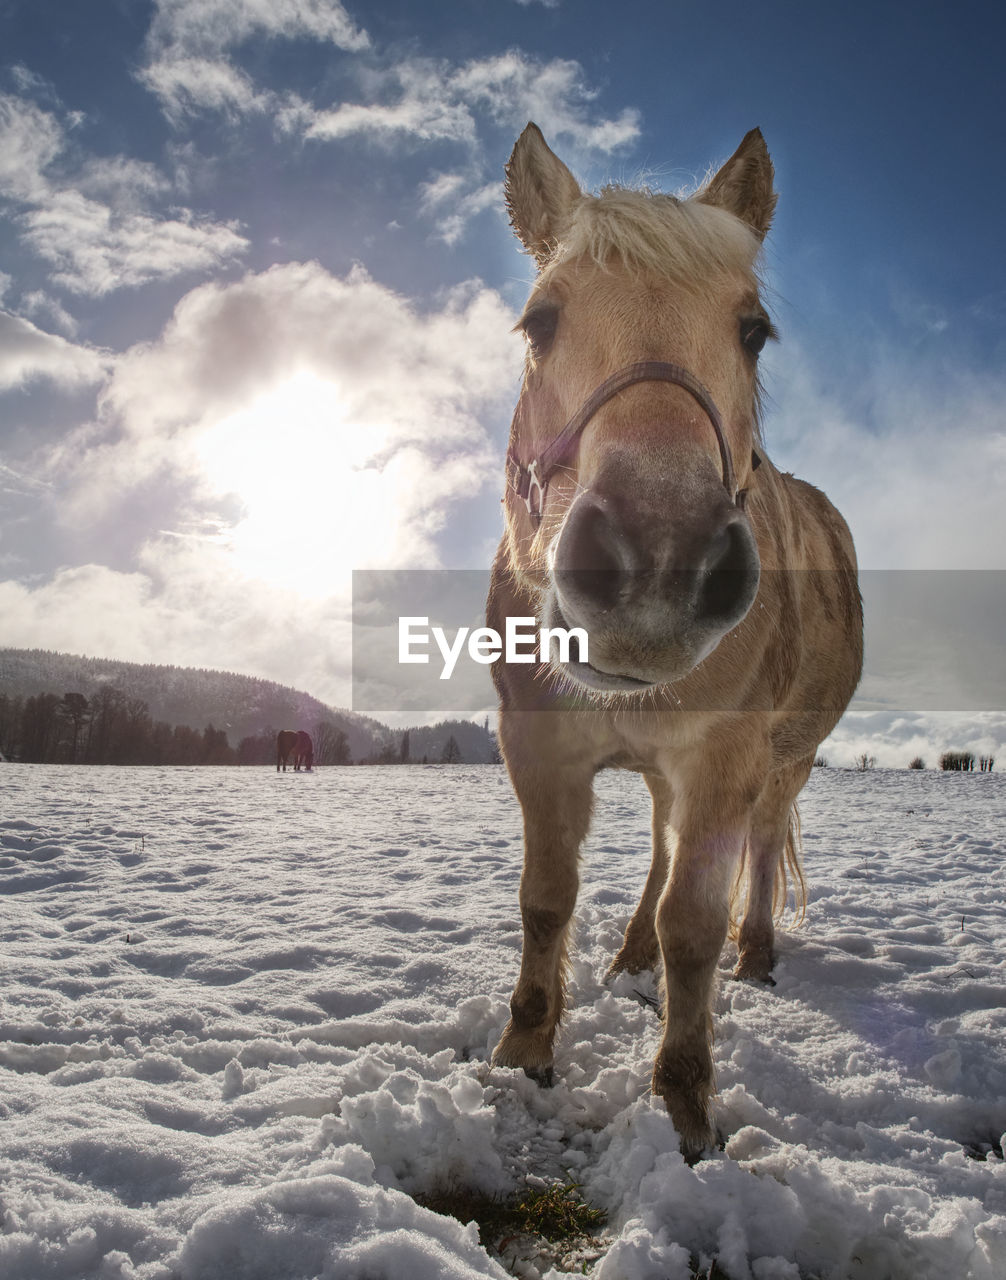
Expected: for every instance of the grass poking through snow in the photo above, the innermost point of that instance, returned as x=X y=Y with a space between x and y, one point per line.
x=555 y=1218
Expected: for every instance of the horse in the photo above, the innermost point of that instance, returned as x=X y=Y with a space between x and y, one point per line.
x=287 y=748
x=303 y=752
x=286 y=745
x=717 y=596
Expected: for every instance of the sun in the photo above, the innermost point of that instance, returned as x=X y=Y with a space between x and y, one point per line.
x=312 y=492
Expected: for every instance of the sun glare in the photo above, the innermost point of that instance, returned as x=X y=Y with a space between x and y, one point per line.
x=299 y=466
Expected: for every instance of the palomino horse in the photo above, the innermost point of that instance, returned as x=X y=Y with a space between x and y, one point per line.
x=719 y=595
x=295 y=743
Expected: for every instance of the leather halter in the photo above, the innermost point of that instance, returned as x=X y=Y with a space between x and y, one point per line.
x=535 y=475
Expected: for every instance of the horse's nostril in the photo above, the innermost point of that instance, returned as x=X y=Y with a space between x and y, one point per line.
x=593 y=557
x=730 y=577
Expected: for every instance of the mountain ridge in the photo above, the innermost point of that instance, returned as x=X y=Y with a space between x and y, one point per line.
x=241 y=705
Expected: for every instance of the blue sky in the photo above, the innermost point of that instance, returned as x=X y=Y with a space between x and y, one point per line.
x=256 y=286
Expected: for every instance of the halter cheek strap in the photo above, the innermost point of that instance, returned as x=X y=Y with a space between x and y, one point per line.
x=530 y=480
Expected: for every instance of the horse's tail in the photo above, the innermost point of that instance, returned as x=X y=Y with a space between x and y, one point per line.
x=790 y=866
x=788 y=869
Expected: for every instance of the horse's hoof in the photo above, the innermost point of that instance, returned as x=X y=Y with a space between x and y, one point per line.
x=542 y=1076
x=763 y=979
x=692 y=1155
x=766 y=981
x=631 y=962
x=755 y=965
x=699 y=1144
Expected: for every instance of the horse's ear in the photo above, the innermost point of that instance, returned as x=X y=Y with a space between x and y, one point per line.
x=540 y=191
x=743 y=186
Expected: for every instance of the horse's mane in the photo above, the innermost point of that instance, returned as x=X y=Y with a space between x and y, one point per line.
x=647 y=231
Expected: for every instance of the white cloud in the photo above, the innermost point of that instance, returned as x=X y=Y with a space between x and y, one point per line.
x=93 y=224
x=289 y=427
x=30 y=139
x=186 y=84
x=189 y=40
x=446 y=199
x=917 y=473
x=919 y=476
x=421 y=112
x=28 y=353
x=516 y=88
x=226 y=344
x=421 y=100
x=221 y=24
x=96 y=249
x=188 y=608
x=121 y=181
x=430 y=100
x=30 y=82
x=40 y=303
x=191 y=69
x=411 y=99
x=894 y=738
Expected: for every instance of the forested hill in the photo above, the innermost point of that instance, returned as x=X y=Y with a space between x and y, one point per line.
x=192 y=698
x=242 y=706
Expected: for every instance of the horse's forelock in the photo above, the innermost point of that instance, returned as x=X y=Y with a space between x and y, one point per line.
x=684 y=240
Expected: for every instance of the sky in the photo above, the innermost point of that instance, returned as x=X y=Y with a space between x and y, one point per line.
x=257 y=287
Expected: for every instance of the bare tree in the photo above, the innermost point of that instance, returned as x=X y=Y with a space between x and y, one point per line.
x=331 y=746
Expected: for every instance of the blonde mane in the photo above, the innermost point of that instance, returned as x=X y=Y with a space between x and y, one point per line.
x=685 y=240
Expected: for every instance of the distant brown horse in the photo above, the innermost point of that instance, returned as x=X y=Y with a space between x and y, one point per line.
x=297 y=744
x=304 y=753
x=718 y=594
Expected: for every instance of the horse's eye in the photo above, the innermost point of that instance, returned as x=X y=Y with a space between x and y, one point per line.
x=755 y=332
x=539 y=326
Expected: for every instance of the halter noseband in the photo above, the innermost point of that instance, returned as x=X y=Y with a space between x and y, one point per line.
x=534 y=476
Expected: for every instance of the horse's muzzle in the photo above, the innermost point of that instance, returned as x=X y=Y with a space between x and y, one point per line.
x=655 y=601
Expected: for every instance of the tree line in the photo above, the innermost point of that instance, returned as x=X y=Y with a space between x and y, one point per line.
x=401 y=753
x=113 y=728
x=950 y=761
x=964 y=762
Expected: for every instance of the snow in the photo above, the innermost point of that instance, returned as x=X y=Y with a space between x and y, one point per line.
x=246 y=1018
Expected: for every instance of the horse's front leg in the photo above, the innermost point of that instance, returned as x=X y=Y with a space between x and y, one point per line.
x=640 y=949
x=692 y=920
x=556 y=801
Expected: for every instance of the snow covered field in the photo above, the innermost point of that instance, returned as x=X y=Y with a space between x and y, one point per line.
x=246 y=1016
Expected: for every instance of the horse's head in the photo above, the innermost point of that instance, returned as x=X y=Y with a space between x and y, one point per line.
x=633 y=526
